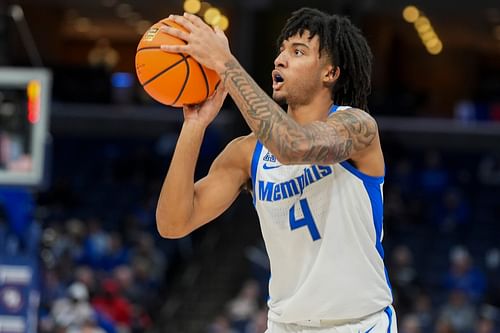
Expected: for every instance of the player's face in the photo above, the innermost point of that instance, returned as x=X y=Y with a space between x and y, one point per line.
x=298 y=70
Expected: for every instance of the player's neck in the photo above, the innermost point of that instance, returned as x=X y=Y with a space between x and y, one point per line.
x=317 y=109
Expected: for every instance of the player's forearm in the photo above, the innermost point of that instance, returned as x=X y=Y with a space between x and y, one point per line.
x=175 y=205
x=292 y=143
x=272 y=126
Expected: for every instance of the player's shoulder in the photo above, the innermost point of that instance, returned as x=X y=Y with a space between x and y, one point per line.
x=353 y=115
x=240 y=150
x=243 y=144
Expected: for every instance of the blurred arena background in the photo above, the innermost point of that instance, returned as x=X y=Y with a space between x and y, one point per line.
x=83 y=153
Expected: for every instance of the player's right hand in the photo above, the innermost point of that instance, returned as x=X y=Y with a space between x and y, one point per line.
x=205 y=112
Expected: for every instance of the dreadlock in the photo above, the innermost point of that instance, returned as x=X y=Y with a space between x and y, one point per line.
x=346 y=47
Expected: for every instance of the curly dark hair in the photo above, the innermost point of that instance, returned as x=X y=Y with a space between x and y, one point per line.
x=345 y=45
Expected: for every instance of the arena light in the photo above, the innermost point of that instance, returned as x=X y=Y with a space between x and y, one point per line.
x=411 y=14
x=223 y=23
x=204 y=6
x=422 y=24
x=427 y=35
x=192 y=6
x=424 y=28
x=432 y=43
x=436 y=48
x=212 y=16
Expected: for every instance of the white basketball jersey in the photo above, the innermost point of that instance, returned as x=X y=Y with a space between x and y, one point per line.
x=322 y=225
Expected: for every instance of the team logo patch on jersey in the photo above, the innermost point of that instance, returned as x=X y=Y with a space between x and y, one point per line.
x=269 y=157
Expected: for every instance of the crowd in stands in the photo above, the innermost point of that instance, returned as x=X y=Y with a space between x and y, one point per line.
x=105 y=269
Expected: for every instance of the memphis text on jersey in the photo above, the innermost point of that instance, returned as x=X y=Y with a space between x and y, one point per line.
x=269 y=191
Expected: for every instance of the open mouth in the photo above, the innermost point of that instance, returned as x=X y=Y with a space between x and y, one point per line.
x=277 y=80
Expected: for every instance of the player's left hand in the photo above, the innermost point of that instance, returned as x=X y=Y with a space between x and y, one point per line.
x=208 y=46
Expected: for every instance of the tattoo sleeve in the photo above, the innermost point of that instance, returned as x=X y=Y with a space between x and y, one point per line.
x=345 y=133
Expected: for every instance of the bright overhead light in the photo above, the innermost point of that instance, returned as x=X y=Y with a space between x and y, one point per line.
x=431 y=43
x=436 y=48
x=411 y=14
x=212 y=16
x=223 y=23
x=204 y=7
x=192 y=6
x=422 y=24
x=427 y=35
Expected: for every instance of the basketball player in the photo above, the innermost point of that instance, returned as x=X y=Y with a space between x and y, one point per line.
x=316 y=172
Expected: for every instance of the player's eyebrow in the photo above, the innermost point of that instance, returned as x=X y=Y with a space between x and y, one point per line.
x=300 y=44
x=295 y=44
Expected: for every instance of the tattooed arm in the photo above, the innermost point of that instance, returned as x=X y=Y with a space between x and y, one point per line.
x=345 y=134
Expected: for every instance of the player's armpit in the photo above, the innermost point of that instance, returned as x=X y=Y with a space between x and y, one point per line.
x=214 y=193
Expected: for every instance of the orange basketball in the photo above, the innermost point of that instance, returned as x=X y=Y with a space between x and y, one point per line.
x=171 y=78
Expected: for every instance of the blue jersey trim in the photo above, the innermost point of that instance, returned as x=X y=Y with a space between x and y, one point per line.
x=255 y=163
x=376 y=200
x=363 y=176
x=333 y=109
x=375 y=195
x=388 y=312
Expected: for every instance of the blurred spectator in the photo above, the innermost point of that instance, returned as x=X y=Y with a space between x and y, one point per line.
x=242 y=308
x=459 y=312
x=73 y=311
x=434 y=178
x=103 y=54
x=148 y=255
x=90 y=326
x=443 y=325
x=454 y=214
x=95 y=244
x=404 y=176
x=464 y=276
x=221 y=324
x=86 y=275
x=116 y=254
x=492 y=261
x=423 y=311
x=410 y=324
x=124 y=276
x=489 y=170
x=484 y=325
x=111 y=303
x=258 y=324
x=260 y=267
x=403 y=277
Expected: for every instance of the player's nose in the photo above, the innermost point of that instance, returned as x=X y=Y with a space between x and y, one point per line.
x=280 y=60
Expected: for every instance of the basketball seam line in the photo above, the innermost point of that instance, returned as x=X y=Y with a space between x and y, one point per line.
x=165 y=70
x=185 y=80
x=207 y=88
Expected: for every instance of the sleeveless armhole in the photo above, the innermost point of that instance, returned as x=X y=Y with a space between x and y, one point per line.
x=255 y=163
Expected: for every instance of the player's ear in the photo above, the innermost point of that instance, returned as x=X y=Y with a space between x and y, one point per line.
x=332 y=74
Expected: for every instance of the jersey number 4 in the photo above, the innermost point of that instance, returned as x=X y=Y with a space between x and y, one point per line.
x=306 y=221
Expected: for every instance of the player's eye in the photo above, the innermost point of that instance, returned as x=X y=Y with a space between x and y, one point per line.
x=298 y=52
